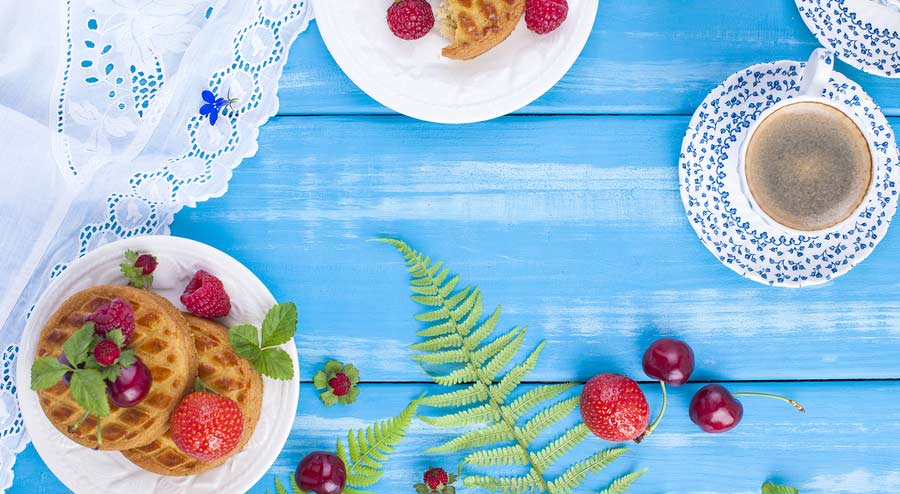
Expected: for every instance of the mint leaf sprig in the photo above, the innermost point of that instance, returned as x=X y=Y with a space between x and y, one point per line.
x=261 y=347
x=771 y=488
x=87 y=384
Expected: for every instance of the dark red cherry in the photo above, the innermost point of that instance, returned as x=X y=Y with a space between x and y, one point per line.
x=131 y=386
x=669 y=360
x=322 y=473
x=715 y=410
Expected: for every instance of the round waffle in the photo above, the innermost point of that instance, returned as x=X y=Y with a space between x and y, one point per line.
x=223 y=371
x=162 y=340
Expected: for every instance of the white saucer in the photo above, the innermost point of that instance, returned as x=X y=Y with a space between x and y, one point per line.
x=721 y=215
x=863 y=33
x=86 y=471
x=411 y=77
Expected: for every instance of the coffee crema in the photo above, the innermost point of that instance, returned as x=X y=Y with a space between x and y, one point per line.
x=808 y=166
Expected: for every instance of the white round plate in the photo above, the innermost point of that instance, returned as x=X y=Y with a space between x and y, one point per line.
x=721 y=215
x=411 y=77
x=86 y=471
x=863 y=33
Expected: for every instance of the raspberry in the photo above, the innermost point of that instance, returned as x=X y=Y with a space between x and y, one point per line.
x=545 y=16
x=410 y=19
x=147 y=263
x=114 y=315
x=106 y=353
x=340 y=384
x=205 y=296
x=436 y=479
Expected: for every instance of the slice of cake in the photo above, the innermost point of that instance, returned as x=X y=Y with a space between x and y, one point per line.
x=476 y=26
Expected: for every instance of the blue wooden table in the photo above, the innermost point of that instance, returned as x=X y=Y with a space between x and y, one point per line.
x=568 y=214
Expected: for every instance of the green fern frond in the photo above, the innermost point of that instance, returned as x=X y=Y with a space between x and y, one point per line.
x=510 y=485
x=535 y=397
x=473 y=353
x=280 y=489
x=770 y=488
x=621 y=484
x=485 y=436
x=577 y=473
x=548 y=417
x=368 y=448
x=481 y=414
x=471 y=394
x=552 y=452
x=507 y=455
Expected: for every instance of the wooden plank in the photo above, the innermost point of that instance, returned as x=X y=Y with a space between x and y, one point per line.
x=652 y=56
x=848 y=443
x=583 y=238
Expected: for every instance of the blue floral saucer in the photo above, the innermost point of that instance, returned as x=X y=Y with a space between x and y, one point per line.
x=863 y=33
x=718 y=211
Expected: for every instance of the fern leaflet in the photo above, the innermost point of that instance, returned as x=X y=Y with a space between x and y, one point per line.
x=366 y=450
x=471 y=352
x=621 y=484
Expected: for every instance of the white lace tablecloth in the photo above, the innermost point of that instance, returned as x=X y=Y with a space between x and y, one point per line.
x=101 y=136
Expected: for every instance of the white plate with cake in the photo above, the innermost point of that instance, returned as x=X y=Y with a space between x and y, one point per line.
x=187 y=402
x=453 y=74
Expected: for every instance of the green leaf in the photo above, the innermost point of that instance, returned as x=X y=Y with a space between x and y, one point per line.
x=320 y=381
x=244 y=340
x=47 y=371
x=275 y=363
x=279 y=325
x=770 y=488
x=76 y=347
x=329 y=398
x=116 y=337
x=111 y=373
x=131 y=255
x=127 y=358
x=332 y=367
x=89 y=391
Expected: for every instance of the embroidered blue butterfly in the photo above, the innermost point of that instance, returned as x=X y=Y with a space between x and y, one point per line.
x=214 y=105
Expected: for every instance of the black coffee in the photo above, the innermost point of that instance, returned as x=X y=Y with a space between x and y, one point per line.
x=808 y=166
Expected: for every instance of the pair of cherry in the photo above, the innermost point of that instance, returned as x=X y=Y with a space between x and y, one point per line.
x=713 y=407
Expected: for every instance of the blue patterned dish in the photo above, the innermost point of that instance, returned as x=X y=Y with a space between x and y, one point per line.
x=733 y=232
x=863 y=33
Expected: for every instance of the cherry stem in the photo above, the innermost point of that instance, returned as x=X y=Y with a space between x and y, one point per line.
x=662 y=411
x=767 y=395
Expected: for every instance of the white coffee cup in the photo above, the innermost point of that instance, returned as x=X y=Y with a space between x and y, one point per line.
x=815 y=77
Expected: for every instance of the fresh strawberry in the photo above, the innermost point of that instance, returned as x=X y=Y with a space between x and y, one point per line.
x=117 y=314
x=207 y=426
x=614 y=408
x=545 y=16
x=340 y=384
x=205 y=296
x=436 y=481
x=106 y=352
x=410 y=19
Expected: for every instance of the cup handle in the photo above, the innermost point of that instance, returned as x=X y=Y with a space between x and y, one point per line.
x=817 y=73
